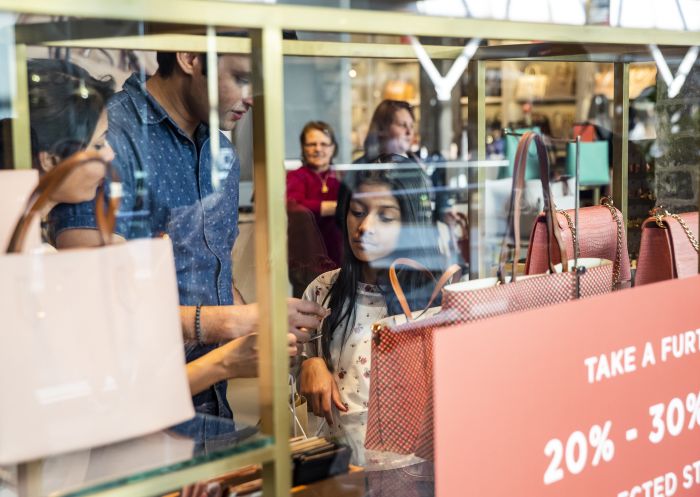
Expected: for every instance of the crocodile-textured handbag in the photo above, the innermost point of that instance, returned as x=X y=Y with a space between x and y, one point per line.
x=669 y=247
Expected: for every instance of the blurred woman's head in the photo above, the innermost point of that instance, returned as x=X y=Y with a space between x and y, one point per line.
x=391 y=130
x=66 y=107
x=318 y=145
x=67 y=110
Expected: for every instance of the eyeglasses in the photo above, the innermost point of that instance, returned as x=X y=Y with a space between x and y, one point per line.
x=321 y=144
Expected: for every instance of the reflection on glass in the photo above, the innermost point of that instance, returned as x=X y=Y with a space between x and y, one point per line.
x=200 y=440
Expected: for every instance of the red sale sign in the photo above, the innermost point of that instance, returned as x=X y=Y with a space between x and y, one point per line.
x=595 y=397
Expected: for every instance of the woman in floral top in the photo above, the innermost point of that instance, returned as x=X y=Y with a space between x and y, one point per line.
x=388 y=215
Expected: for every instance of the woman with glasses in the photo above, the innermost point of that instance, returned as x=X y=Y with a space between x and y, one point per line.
x=315 y=243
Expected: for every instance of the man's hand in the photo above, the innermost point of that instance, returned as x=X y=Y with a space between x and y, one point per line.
x=304 y=317
x=320 y=389
x=228 y=322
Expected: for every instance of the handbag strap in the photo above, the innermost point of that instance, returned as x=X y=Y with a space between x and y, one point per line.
x=513 y=224
x=608 y=202
x=439 y=283
x=549 y=208
x=659 y=213
x=49 y=184
x=617 y=264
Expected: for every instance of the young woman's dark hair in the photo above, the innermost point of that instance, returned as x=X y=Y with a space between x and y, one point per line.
x=378 y=132
x=417 y=240
x=65 y=104
x=324 y=128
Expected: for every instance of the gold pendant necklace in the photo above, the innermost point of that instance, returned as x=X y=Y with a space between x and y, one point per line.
x=324 y=187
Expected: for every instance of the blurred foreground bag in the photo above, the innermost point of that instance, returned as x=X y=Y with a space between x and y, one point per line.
x=669 y=247
x=15 y=188
x=91 y=348
x=400 y=413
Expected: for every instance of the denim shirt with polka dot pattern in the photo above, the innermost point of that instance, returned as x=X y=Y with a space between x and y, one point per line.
x=171 y=186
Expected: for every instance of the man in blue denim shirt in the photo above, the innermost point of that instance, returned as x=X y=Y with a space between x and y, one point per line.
x=158 y=130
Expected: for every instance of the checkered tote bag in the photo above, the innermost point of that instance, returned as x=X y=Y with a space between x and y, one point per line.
x=400 y=401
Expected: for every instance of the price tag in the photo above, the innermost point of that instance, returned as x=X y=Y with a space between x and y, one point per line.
x=595 y=397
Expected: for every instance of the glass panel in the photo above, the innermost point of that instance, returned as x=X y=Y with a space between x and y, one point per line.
x=447 y=181
x=202 y=440
x=118 y=114
x=399 y=153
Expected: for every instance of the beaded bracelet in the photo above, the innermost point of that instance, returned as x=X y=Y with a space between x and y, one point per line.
x=198 y=324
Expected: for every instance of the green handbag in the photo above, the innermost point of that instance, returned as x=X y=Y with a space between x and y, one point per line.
x=594 y=168
x=532 y=169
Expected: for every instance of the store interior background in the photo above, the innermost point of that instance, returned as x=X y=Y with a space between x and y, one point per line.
x=345 y=92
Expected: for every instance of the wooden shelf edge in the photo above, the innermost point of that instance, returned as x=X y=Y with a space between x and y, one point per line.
x=171 y=480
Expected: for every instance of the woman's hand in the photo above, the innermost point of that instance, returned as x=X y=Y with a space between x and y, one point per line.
x=239 y=358
x=235 y=359
x=320 y=389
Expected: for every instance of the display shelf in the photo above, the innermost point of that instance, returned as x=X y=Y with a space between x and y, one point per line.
x=156 y=463
x=576 y=52
x=489 y=100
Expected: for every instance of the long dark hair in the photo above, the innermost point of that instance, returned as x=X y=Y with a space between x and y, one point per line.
x=378 y=133
x=417 y=240
x=65 y=103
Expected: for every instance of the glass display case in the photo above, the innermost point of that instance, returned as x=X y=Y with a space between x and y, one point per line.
x=296 y=128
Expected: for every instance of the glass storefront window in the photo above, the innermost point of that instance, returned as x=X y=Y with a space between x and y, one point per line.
x=322 y=203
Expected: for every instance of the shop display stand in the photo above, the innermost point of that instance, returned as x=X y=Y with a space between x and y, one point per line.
x=620 y=55
x=168 y=24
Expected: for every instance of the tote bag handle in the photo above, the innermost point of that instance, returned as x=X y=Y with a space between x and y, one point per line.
x=444 y=279
x=513 y=224
x=48 y=185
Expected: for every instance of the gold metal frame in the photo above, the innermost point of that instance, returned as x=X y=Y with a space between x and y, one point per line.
x=267 y=48
x=271 y=249
x=21 y=134
x=334 y=20
x=621 y=105
x=476 y=113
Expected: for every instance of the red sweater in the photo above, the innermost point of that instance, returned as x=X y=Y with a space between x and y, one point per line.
x=304 y=187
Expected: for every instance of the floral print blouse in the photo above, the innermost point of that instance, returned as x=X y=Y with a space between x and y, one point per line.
x=351 y=362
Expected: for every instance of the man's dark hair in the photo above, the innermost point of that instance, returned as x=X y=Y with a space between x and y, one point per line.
x=168 y=60
x=166 y=63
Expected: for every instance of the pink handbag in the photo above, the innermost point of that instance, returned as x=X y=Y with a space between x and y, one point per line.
x=600 y=234
x=669 y=247
x=400 y=401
